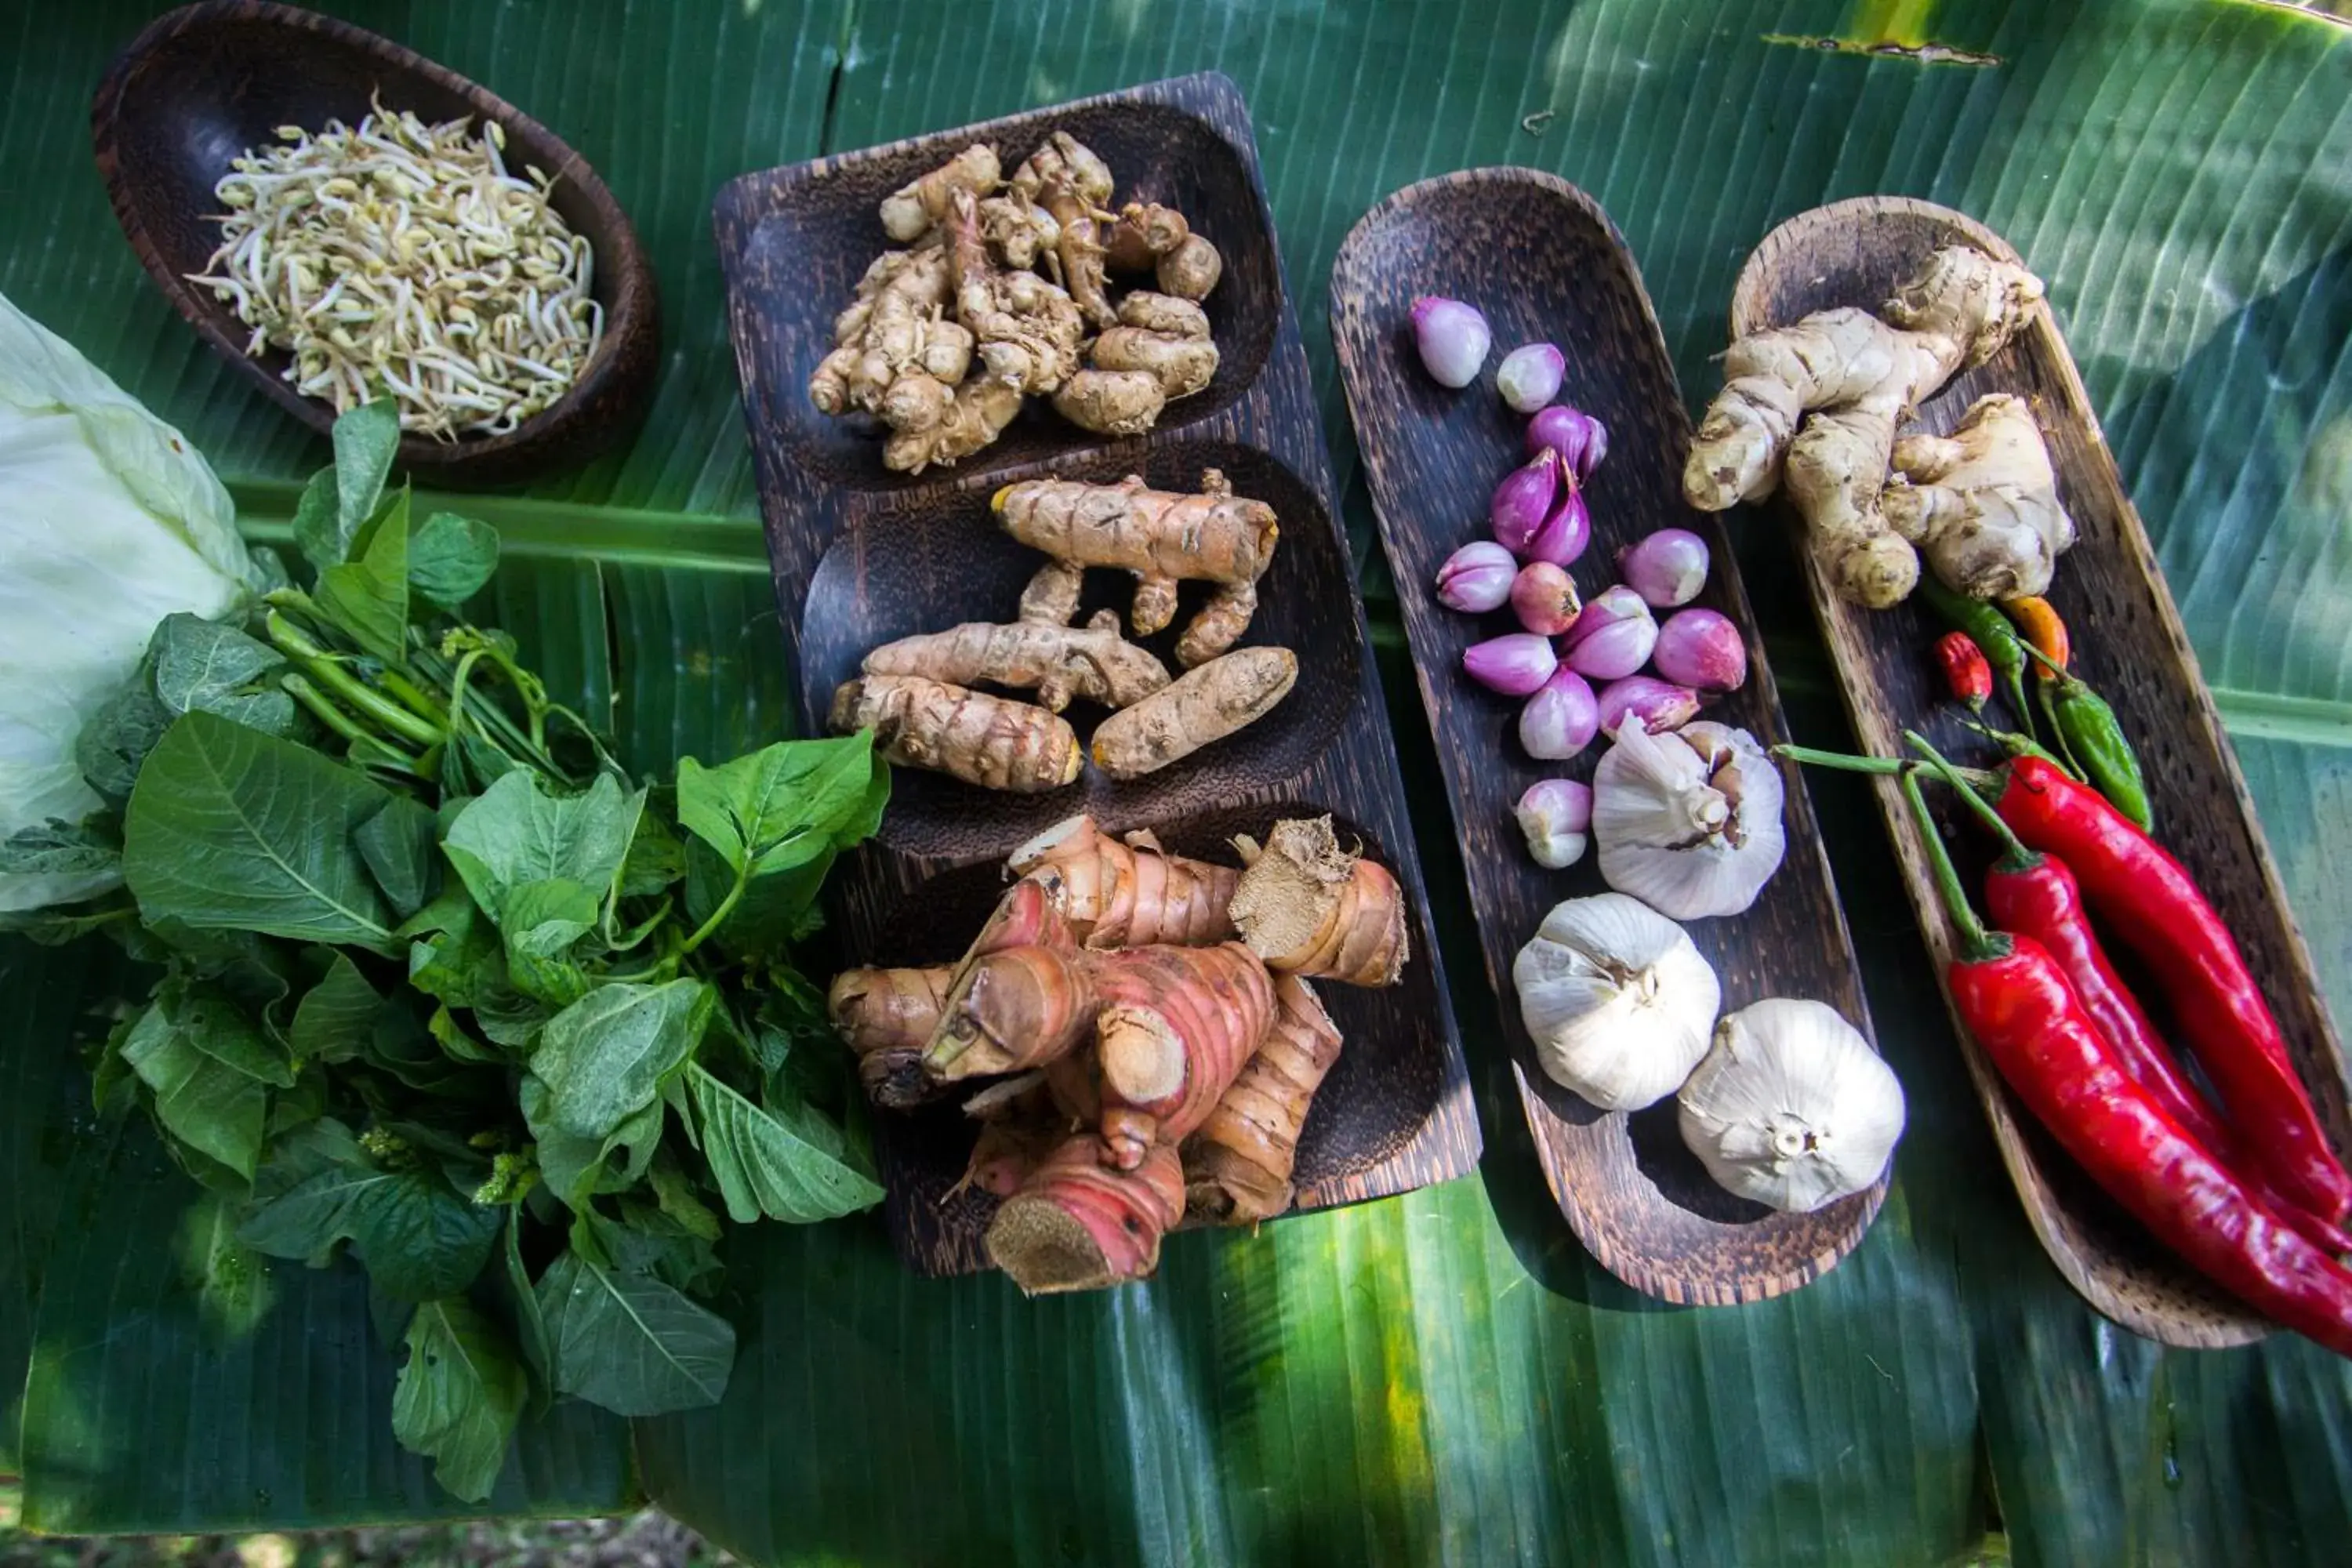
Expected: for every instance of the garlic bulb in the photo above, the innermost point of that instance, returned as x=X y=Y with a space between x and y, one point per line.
x=1688 y=823
x=1617 y=999
x=1792 y=1107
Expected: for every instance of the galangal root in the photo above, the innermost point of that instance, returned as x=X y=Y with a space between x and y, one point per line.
x=992 y=741
x=886 y=1017
x=1057 y=662
x=1163 y=537
x=948 y=334
x=1853 y=378
x=1129 y=892
x=1079 y=1223
x=1202 y=705
x=1237 y=1166
x=1310 y=907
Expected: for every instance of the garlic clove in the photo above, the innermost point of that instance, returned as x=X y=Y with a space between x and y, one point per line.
x=1791 y=1107
x=1618 y=1001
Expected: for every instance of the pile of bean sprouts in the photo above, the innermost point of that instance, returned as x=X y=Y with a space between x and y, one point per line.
x=401 y=259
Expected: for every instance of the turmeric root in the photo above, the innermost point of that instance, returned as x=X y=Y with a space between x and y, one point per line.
x=1160 y=351
x=1057 y=662
x=1172 y=1027
x=1310 y=907
x=892 y=338
x=1858 y=376
x=1066 y=178
x=1157 y=239
x=916 y=207
x=1982 y=503
x=991 y=742
x=1237 y=1166
x=1052 y=595
x=1202 y=705
x=1161 y=536
x=1130 y=893
x=1078 y=1224
x=1027 y=330
x=886 y=1017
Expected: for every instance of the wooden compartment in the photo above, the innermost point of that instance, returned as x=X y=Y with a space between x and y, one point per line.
x=860 y=555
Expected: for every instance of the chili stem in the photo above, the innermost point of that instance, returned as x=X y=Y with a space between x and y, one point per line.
x=1980 y=780
x=1975 y=943
x=2014 y=848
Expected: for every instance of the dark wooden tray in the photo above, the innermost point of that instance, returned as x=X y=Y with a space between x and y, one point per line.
x=2136 y=652
x=1545 y=263
x=861 y=555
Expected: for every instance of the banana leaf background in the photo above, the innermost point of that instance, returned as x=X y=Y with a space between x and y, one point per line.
x=1444 y=1376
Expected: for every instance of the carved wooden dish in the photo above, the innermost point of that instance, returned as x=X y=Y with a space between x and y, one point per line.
x=2137 y=656
x=203 y=83
x=1544 y=263
x=862 y=555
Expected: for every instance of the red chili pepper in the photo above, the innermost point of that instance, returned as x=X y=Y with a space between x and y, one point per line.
x=1965 y=673
x=2016 y=1003
x=2034 y=895
x=2151 y=902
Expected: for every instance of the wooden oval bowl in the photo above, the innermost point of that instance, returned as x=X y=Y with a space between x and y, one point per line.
x=206 y=82
x=939 y=560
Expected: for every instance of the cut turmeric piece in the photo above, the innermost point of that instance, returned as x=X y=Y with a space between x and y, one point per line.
x=1237 y=1167
x=1078 y=1223
x=992 y=741
x=1057 y=662
x=1201 y=705
x=1310 y=907
x=1130 y=893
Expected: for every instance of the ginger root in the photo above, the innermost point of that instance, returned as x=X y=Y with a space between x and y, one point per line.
x=992 y=741
x=1066 y=179
x=1237 y=1166
x=1026 y=330
x=893 y=343
x=943 y=430
x=1310 y=907
x=1057 y=662
x=1161 y=536
x=1078 y=1223
x=1982 y=503
x=921 y=204
x=886 y=1017
x=1160 y=351
x=1858 y=376
x=1129 y=893
x=1205 y=704
x=1157 y=239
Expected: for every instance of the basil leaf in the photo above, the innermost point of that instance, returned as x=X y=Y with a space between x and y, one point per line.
x=209 y=1106
x=604 y=1057
x=513 y=833
x=460 y=1393
x=417 y=1237
x=450 y=558
x=631 y=1343
x=368 y=598
x=764 y=1166
x=400 y=846
x=230 y=828
x=208 y=667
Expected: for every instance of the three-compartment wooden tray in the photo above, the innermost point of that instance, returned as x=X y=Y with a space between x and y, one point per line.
x=1545 y=264
x=2130 y=644
x=861 y=555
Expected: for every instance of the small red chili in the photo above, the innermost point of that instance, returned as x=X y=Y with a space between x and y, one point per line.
x=1967 y=675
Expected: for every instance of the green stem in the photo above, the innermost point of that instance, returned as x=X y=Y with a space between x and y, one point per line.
x=322 y=709
x=416 y=698
x=1976 y=944
x=1983 y=781
x=718 y=916
x=324 y=668
x=2017 y=856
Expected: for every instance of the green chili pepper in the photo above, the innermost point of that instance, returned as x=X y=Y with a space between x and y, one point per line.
x=1999 y=641
x=2093 y=737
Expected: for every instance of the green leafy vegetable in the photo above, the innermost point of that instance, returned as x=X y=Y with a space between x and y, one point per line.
x=199 y=1100
x=765 y=1167
x=398 y=846
x=368 y=595
x=603 y=1057
x=211 y=666
x=418 y=1236
x=451 y=558
x=460 y=1393
x=630 y=1342
x=336 y=1017
x=516 y=832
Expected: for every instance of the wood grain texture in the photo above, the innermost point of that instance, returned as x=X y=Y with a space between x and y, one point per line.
x=1544 y=263
x=2129 y=643
x=201 y=85
x=859 y=554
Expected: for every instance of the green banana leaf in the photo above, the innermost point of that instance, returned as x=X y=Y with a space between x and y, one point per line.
x=1445 y=1376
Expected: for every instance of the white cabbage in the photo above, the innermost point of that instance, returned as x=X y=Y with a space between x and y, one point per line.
x=108 y=522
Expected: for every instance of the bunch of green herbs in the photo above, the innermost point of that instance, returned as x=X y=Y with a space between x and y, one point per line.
x=440 y=985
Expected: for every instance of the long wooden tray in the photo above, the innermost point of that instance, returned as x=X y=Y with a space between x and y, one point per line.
x=1544 y=262
x=860 y=555
x=2131 y=646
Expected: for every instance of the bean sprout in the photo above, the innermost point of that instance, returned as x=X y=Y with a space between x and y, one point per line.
x=401 y=259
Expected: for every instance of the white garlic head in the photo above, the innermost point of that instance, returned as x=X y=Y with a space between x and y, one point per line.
x=1617 y=999
x=1792 y=1107
x=1688 y=823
